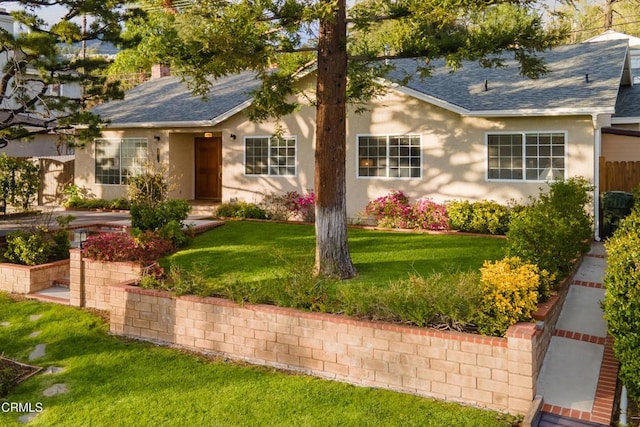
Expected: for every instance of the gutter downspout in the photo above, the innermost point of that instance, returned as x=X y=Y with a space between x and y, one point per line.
x=596 y=177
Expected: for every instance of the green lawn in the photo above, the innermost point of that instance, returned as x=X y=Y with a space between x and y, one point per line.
x=254 y=251
x=115 y=382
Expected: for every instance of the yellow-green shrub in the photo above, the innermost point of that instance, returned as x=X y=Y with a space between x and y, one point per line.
x=510 y=294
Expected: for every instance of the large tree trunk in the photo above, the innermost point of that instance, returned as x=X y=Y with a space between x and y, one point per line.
x=332 y=250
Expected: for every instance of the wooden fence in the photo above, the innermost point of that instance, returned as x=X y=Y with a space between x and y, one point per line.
x=619 y=176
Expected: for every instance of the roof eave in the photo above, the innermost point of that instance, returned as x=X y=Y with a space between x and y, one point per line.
x=625 y=120
x=540 y=112
x=155 y=125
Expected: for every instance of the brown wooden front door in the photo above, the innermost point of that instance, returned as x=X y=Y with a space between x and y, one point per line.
x=208 y=168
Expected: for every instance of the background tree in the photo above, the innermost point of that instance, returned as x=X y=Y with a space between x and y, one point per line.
x=584 y=19
x=33 y=66
x=212 y=38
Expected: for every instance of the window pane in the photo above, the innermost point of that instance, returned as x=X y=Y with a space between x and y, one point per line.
x=372 y=159
x=256 y=156
x=118 y=159
x=283 y=156
x=547 y=161
x=504 y=153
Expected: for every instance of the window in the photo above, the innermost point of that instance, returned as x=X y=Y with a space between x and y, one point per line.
x=526 y=156
x=270 y=156
x=118 y=159
x=389 y=156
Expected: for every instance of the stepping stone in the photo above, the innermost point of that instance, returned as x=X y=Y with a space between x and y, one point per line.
x=27 y=418
x=38 y=352
x=35 y=317
x=34 y=334
x=55 y=390
x=53 y=370
x=5 y=324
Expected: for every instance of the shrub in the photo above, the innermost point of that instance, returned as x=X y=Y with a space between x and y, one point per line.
x=276 y=207
x=428 y=215
x=39 y=245
x=291 y=204
x=489 y=218
x=555 y=230
x=392 y=210
x=144 y=247
x=395 y=211
x=148 y=188
x=27 y=248
x=303 y=206
x=175 y=233
x=622 y=298
x=155 y=217
x=19 y=181
x=486 y=216
x=241 y=210
x=460 y=213
x=509 y=295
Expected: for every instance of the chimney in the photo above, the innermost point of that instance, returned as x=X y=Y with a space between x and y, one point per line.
x=160 y=70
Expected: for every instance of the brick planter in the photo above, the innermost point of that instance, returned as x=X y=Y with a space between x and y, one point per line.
x=24 y=279
x=90 y=280
x=497 y=373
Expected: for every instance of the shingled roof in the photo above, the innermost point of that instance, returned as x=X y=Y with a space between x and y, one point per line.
x=628 y=104
x=582 y=79
x=168 y=100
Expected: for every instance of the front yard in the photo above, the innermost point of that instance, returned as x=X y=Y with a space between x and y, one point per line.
x=255 y=251
x=113 y=381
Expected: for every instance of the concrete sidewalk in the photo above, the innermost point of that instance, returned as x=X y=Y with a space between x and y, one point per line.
x=579 y=373
x=83 y=218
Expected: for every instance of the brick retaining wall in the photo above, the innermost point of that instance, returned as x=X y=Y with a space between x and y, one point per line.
x=24 y=279
x=90 y=280
x=497 y=373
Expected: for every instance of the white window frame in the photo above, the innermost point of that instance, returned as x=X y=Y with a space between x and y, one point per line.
x=388 y=167
x=524 y=134
x=138 y=162
x=270 y=138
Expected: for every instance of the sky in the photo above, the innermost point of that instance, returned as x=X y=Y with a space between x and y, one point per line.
x=50 y=14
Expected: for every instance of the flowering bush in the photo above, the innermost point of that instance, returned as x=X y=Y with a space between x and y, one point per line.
x=429 y=215
x=291 y=204
x=395 y=211
x=303 y=206
x=392 y=210
x=146 y=246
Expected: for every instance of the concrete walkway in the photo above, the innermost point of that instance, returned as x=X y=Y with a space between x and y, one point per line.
x=85 y=218
x=59 y=291
x=579 y=372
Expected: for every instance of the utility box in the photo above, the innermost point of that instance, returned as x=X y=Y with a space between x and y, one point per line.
x=615 y=205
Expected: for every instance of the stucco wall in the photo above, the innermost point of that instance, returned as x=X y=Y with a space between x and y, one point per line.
x=85 y=160
x=453 y=154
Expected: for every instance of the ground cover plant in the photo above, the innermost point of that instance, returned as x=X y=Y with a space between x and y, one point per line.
x=113 y=380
